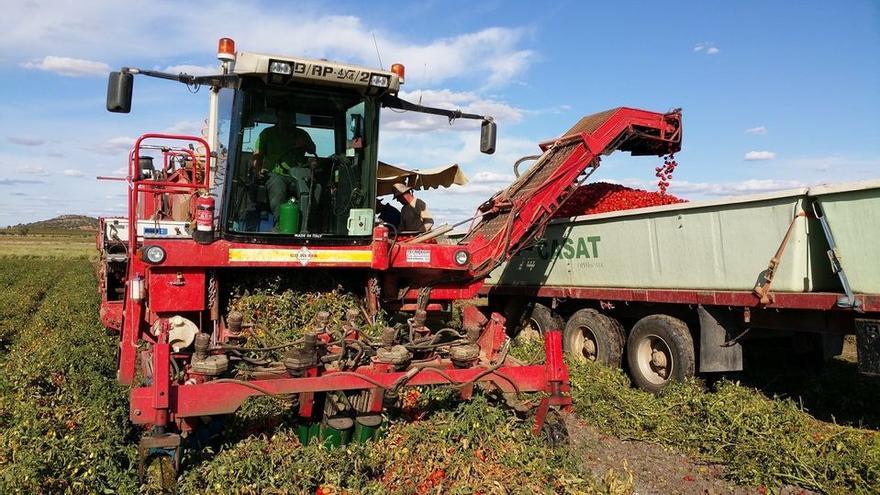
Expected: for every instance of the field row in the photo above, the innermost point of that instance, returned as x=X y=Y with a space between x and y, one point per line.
x=64 y=428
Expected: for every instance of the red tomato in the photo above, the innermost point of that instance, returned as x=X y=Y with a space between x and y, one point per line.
x=602 y=197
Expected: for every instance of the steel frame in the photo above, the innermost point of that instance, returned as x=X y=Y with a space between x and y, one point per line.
x=824 y=301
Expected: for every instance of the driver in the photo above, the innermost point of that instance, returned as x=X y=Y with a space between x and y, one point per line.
x=281 y=149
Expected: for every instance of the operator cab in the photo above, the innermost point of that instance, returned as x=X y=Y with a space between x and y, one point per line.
x=327 y=192
x=294 y=142
x=302 y=143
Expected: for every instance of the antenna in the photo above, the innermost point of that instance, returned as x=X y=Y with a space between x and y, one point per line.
x=378 y=55
x=424 y=77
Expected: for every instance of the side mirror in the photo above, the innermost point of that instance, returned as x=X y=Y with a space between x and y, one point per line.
x=487 y=137
x=119 y=92
x=355 y=126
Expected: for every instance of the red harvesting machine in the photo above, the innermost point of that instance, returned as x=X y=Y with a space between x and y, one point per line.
x=199 y=221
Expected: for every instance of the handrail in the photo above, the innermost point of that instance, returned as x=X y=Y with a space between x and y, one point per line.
x=137 y=186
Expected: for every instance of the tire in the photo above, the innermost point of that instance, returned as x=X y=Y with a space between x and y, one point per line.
x=591 y=336
x=659 y=350
x=514 y=310
x=542 y=319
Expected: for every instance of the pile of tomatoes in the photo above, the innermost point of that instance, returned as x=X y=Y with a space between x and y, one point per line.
x=602 y=197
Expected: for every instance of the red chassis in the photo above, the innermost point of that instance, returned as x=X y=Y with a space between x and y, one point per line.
x=399 y=273
x=151 y=405
x=180 y=282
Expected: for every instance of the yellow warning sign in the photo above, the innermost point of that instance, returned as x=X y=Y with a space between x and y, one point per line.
x=302 y=255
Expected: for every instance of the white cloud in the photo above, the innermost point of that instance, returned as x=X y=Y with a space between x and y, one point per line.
x=492 y=56
x=685 y=189
x=16 y=182
x=66 y=66
x=485 y=183
x=750 y=186
x=759 y=155
x=843 y=167
x=193 y=70
x=72 y=172
x=757 y=131
x=706 y=48
x=32 y=169
x=487 y=177
x=554 y=110
x=26 y=141
x=467 y=102
x=187 y=127
x=114 y=146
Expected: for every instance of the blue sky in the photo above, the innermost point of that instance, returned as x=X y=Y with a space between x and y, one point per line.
x=775 y=94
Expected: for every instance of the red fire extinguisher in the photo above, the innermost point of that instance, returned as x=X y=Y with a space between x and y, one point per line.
x=204 y=233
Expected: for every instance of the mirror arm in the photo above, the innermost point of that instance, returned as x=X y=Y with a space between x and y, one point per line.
x=213 y=80
x=391 y=101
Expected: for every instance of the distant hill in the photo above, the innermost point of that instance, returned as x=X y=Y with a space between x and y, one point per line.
x=63 y=222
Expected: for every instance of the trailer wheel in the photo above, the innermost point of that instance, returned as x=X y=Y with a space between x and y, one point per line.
x=591 y=336
x=659 y=350
x=540 y=320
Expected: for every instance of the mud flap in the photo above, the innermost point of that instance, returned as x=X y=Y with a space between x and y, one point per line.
x=714 y=354
x=868 y=345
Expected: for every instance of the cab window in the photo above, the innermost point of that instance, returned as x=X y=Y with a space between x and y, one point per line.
x=304 y=164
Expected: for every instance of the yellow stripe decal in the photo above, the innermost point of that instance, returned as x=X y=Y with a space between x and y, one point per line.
x=303 y=255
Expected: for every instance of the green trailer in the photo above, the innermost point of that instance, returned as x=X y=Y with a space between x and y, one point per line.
x=676 y=289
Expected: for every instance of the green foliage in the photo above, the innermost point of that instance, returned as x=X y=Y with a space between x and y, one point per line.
x=47 y=246
x=471 y=448
x=477 y=447
x=761 y=441
x=23 y=285
x=61 y=223
x=63 y=420
x=528 y=350
x=281 y=313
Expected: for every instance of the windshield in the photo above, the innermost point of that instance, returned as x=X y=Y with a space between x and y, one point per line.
x=301 y=163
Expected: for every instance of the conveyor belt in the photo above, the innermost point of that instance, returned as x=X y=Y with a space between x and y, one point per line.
x=525 y=186
x=591 y=123
x=519 y=213
x=536 y=176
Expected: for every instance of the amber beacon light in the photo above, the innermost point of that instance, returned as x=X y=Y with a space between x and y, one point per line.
x=226 y=49
x=399 y=70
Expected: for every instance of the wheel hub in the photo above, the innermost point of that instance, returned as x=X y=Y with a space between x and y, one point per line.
x=655 y=360
x=590 y=348
x=658 y=359
x=588 y=345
